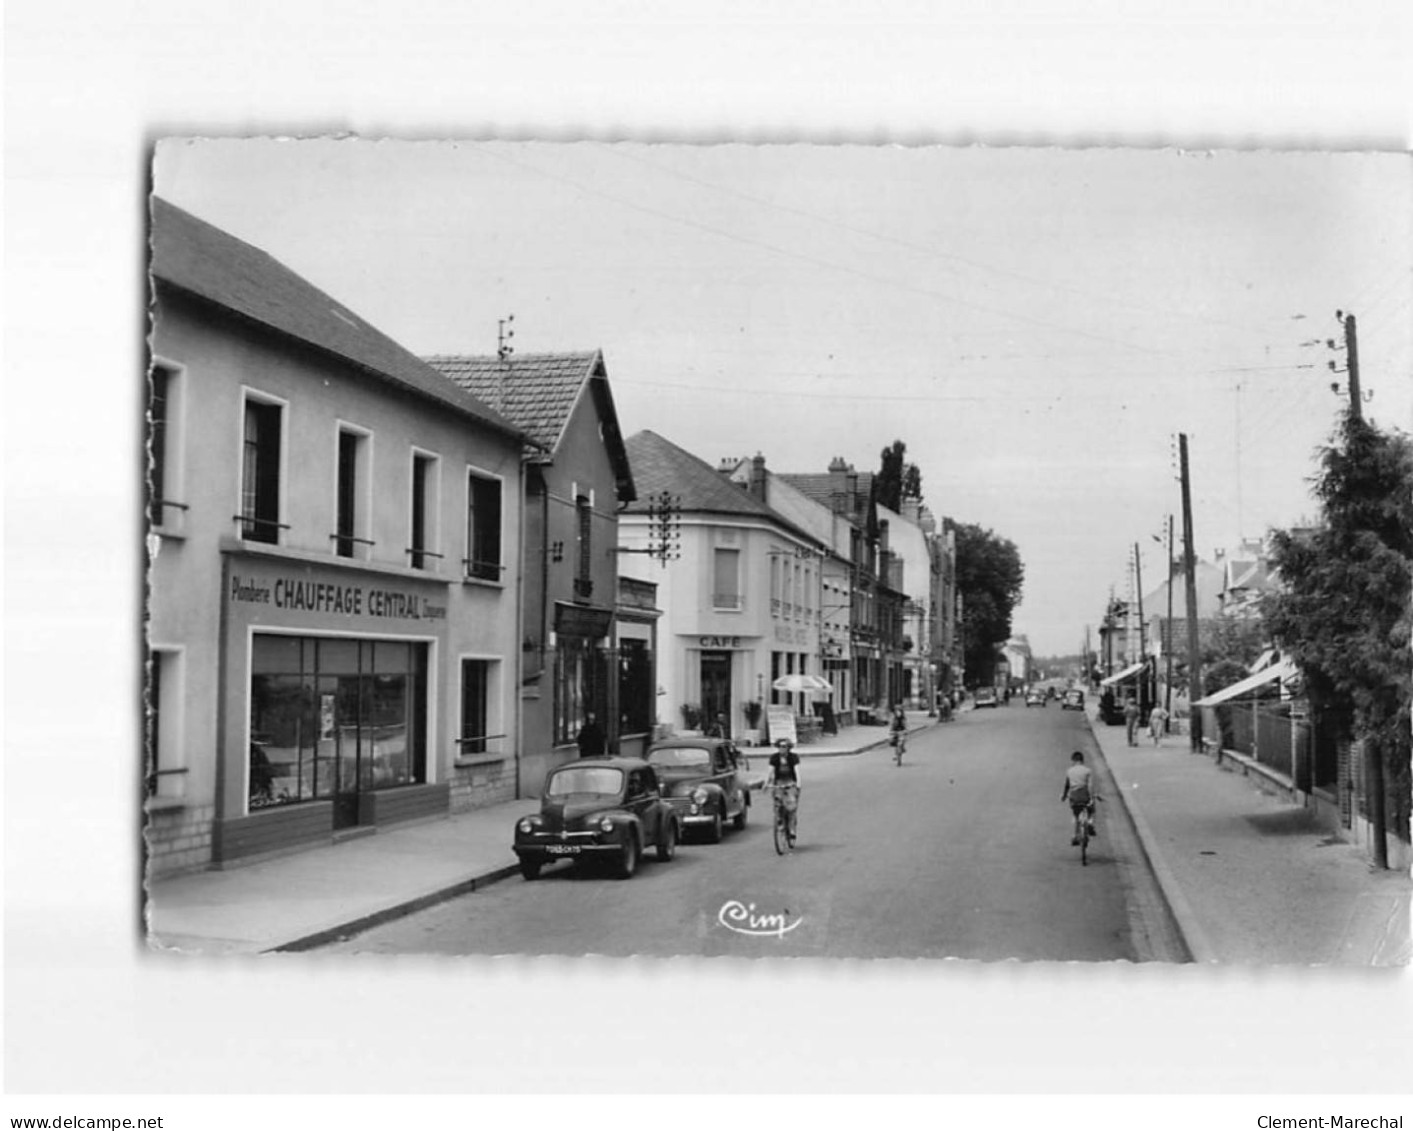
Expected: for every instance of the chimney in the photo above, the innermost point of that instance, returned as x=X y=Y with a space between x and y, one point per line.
x=912 y=510
x=757 y=485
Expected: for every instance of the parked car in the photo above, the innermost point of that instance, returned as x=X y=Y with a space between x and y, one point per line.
x=596 y=809
x=1073 y=700
x=985 y=697
x=705 y=781
x=1036 y=698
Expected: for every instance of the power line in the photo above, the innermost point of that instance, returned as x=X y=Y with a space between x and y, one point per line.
x=818 y=262
x=1089 y=296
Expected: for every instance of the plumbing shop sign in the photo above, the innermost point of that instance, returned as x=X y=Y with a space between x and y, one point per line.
x=306 y=595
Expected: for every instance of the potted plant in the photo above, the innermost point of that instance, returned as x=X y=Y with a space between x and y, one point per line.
x=691 y=717
x=751 y=708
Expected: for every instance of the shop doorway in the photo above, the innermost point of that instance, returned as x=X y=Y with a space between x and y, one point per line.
x=716 y=691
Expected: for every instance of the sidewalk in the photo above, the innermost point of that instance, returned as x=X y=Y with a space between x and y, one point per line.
x=307 y=898
x=1250 y=877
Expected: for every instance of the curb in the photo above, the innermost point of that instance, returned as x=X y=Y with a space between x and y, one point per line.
x=1193 y=937
x=396 y=911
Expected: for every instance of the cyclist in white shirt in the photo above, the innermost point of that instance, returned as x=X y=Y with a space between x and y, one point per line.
x=1079 y=792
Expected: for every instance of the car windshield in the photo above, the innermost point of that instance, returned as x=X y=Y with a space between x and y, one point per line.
x=681 y=757
x=598 y=781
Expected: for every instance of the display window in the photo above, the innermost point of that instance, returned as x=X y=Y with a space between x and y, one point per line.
x=331 y=718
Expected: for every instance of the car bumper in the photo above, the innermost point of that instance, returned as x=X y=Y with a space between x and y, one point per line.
x=688 y=819
x=572 y=849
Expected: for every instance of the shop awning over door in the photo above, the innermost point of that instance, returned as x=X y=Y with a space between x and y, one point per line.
x=1119 y=677
x=1283 y=670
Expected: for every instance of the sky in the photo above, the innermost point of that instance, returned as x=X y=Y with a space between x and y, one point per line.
x=1037 y=325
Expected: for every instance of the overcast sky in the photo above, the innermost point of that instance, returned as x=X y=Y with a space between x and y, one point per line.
x=1035 y=324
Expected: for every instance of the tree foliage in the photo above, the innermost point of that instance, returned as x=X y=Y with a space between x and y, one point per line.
x=990 y=578
x=1343 y=609
x=896 y=479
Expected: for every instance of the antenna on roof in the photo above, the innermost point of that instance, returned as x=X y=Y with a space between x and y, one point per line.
x=503 y=335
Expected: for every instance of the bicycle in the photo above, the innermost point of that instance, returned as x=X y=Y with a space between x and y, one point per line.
x=787 y=805
x=1086 y=829
x=900 y=744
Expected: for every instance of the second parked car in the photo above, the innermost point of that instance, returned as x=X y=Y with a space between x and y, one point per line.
x=705 y=782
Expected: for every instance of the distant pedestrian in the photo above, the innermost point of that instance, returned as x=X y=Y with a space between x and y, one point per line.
x=1158 y=724
x=1131 y=721
x=591 y=739
x=717 y=728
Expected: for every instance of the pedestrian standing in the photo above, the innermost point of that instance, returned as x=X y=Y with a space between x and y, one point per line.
x=1131 y=720
x=1158 y=724
x=591 y=739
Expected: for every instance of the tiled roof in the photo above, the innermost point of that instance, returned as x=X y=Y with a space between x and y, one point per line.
x=202 y=260
x=536 y=390
x=821 y=486
x=659 y=465
x=539 y=391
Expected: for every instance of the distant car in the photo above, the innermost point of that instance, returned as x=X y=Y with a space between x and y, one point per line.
x=1035 y=698
x=705 y=782
x=596 y=809
x=1073 y=700
x=985 y=697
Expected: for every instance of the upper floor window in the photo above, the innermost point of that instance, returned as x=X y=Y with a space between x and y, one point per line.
x=422 y=538
x=483 y=513
x=726 y=581
x=163 y=486
x=351 y=509
x=584 y=516
x=259 y=517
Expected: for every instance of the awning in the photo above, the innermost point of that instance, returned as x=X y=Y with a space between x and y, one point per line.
x=1283 y=670
x=1119 y=677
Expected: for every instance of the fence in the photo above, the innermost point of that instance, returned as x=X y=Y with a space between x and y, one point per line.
x=1269 y=735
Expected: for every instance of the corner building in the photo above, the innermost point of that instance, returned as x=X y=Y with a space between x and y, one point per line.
x=333 y=541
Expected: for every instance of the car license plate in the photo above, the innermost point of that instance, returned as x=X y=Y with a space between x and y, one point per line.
x=562 y=849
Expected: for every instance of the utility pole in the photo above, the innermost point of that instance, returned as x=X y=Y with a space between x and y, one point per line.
x=1351 y=359
x=1144 y=697
x=1168 y=632
x=1194 y=656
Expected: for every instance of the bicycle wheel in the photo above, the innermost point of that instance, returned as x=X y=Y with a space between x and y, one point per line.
x=782 y=834
x=1084 y=843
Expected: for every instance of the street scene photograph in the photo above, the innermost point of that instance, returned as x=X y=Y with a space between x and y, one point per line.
x=776 y=551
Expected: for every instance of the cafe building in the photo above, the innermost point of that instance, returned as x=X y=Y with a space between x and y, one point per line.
x=334 y=552
x=739 y=587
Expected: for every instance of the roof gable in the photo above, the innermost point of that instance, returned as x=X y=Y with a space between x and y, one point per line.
x=202 y=260
x=659 y=465
x=539 y=392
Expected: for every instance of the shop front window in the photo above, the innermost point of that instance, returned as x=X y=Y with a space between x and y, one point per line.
x=334 y=717
x=579 y=685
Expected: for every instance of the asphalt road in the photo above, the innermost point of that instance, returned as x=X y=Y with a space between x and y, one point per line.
x=961 y=852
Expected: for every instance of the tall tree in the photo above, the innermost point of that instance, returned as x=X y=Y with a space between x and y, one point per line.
x=1343 y=610
x=896 y=479
x=990 y=578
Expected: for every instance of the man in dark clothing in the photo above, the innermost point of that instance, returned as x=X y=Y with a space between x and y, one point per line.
x=591 y=740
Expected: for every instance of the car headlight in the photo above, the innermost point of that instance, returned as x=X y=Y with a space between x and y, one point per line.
x=699 y=795
x=528 y=824
x=606 y=824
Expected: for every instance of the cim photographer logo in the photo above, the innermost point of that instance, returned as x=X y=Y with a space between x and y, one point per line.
x=744 y=919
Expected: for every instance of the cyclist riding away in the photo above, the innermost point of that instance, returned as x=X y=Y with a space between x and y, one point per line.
x=785 y=777
x=1079 y=793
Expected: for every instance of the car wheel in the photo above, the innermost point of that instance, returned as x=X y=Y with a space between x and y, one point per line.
x=714 y=831
x=740 y=821
x=667 y=846
x=629 y=862
x=530 y=869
